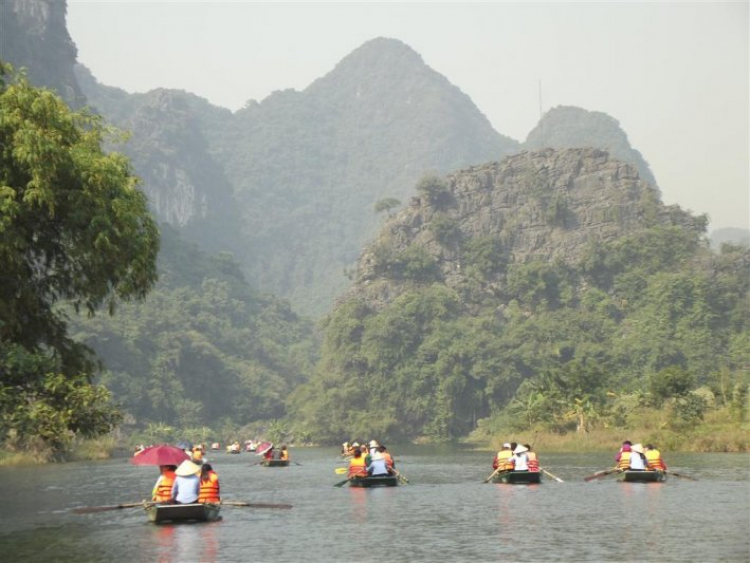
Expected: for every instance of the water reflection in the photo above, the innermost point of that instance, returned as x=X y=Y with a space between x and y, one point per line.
x=186 y=542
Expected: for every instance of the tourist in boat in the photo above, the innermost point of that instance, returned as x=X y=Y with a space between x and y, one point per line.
x=197 y=454
x=625 y=448
x=654 y=460
x=388 y=458
x=268 y=454
x=162 y=491
x=520 y=460
x=284 y=454
x=357 y=466
x=502 y=459
x=373 y=446
x=377 y=467
x=532 y=460
x=637 y=458
x=209 y=491
x=187 y=484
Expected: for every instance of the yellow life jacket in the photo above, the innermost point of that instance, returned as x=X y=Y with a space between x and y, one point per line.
x=654 y=461
x=624 y=463
x=504 y=460
x=357 y=467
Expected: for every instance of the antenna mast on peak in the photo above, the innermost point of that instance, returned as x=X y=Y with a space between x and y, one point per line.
x=540 y=98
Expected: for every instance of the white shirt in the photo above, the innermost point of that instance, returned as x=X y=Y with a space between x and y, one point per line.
x=521 y=462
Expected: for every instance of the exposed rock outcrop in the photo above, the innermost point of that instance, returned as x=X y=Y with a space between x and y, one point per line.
x=33 y=35
x=548 y=204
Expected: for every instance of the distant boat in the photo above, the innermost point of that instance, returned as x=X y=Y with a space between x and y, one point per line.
x=161 y=513
x=518 y=477
x=642 y=476
x=275 y=463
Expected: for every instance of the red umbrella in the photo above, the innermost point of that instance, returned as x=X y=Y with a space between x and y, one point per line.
x=263 y=448
x=160 y=455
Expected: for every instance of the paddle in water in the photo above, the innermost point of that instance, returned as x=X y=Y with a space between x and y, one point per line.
x=550 y=474
x=400 y=477
x=89 y=509
x=496 y=472
x=681 y=475
x=602 y=473
x=341 y=483
x=255 y=504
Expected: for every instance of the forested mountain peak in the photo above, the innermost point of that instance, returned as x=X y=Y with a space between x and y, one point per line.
x=569 y=127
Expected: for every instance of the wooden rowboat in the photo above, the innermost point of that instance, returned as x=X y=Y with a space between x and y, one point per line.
x=374 y=481
x=160 y=513
x=275 y=463
x=642 y=476
x=518 y=477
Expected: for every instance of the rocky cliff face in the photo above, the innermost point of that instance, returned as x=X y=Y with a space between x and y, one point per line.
x=186 y=188
x=571 y=127
x=548 y=204
x=33 y=35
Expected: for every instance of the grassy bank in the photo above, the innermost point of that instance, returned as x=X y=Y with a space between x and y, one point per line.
x=80 y=450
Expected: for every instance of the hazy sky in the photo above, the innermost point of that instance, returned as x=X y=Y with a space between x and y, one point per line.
x=676 y=75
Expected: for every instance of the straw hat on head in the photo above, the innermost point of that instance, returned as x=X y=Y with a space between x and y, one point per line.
x=506 y=446
x=638 y=448
x=187 y=467
x=520 y=449
x=373 y=443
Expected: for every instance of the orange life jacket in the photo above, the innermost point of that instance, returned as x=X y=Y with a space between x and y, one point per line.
x=285 y=454
x=654 y=460
x=357 y=468
x=503 y=460
x=163 y=491
x=532 y=461
x=388 y=460
x=209 y=491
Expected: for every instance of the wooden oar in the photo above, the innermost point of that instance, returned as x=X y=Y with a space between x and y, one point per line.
x=254 y=504
x=400 y=477
x=496 y=472
x=88 y=509
x=342 y=483
x=680 y=475
x=550 y=474
x=602 y=473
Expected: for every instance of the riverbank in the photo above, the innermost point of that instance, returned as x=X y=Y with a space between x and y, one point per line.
x=709 y=437
x=80 y=450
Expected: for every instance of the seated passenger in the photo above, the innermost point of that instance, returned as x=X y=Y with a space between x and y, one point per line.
x=209 y=487
x=520 y=459
x=284 y=454
x=502 y=459
x=377 y=466
x=357 y=466
x=653 y=459
x=533 y=461
x=187 y=484
x=637 y=458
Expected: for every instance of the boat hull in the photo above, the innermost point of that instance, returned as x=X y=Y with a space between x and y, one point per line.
x=275 y=463
x=378 y=481
x=162 y=513
x=642 y=476
x=518 y=478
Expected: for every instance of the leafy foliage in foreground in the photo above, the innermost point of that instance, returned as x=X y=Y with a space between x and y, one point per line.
x=73 y=227
x=654 y=315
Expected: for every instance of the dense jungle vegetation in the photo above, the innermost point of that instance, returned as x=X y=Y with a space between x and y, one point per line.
x=651 y=326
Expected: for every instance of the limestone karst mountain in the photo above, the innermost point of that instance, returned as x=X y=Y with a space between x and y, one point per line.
x=34 y=36
x=548 y=204
x=565 y=127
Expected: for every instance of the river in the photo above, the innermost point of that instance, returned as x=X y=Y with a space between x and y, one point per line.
x=445 y=513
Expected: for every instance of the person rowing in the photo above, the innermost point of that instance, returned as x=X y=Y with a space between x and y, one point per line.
x=357 y=466
x=654 y=460
x=502 y=458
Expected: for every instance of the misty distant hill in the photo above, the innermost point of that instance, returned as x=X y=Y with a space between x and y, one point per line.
x=566 y=127
x=731 y=235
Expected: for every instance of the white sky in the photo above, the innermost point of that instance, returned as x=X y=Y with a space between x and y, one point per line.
x=676 y=75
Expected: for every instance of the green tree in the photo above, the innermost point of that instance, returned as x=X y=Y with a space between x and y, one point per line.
x=73 y=228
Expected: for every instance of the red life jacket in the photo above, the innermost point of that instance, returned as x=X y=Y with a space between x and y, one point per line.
x=532 y=461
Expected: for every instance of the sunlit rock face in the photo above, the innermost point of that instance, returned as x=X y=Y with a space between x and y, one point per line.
x=33 y=35
x=548 y=204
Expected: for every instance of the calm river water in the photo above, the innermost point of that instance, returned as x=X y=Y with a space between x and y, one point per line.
x=445 y=513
